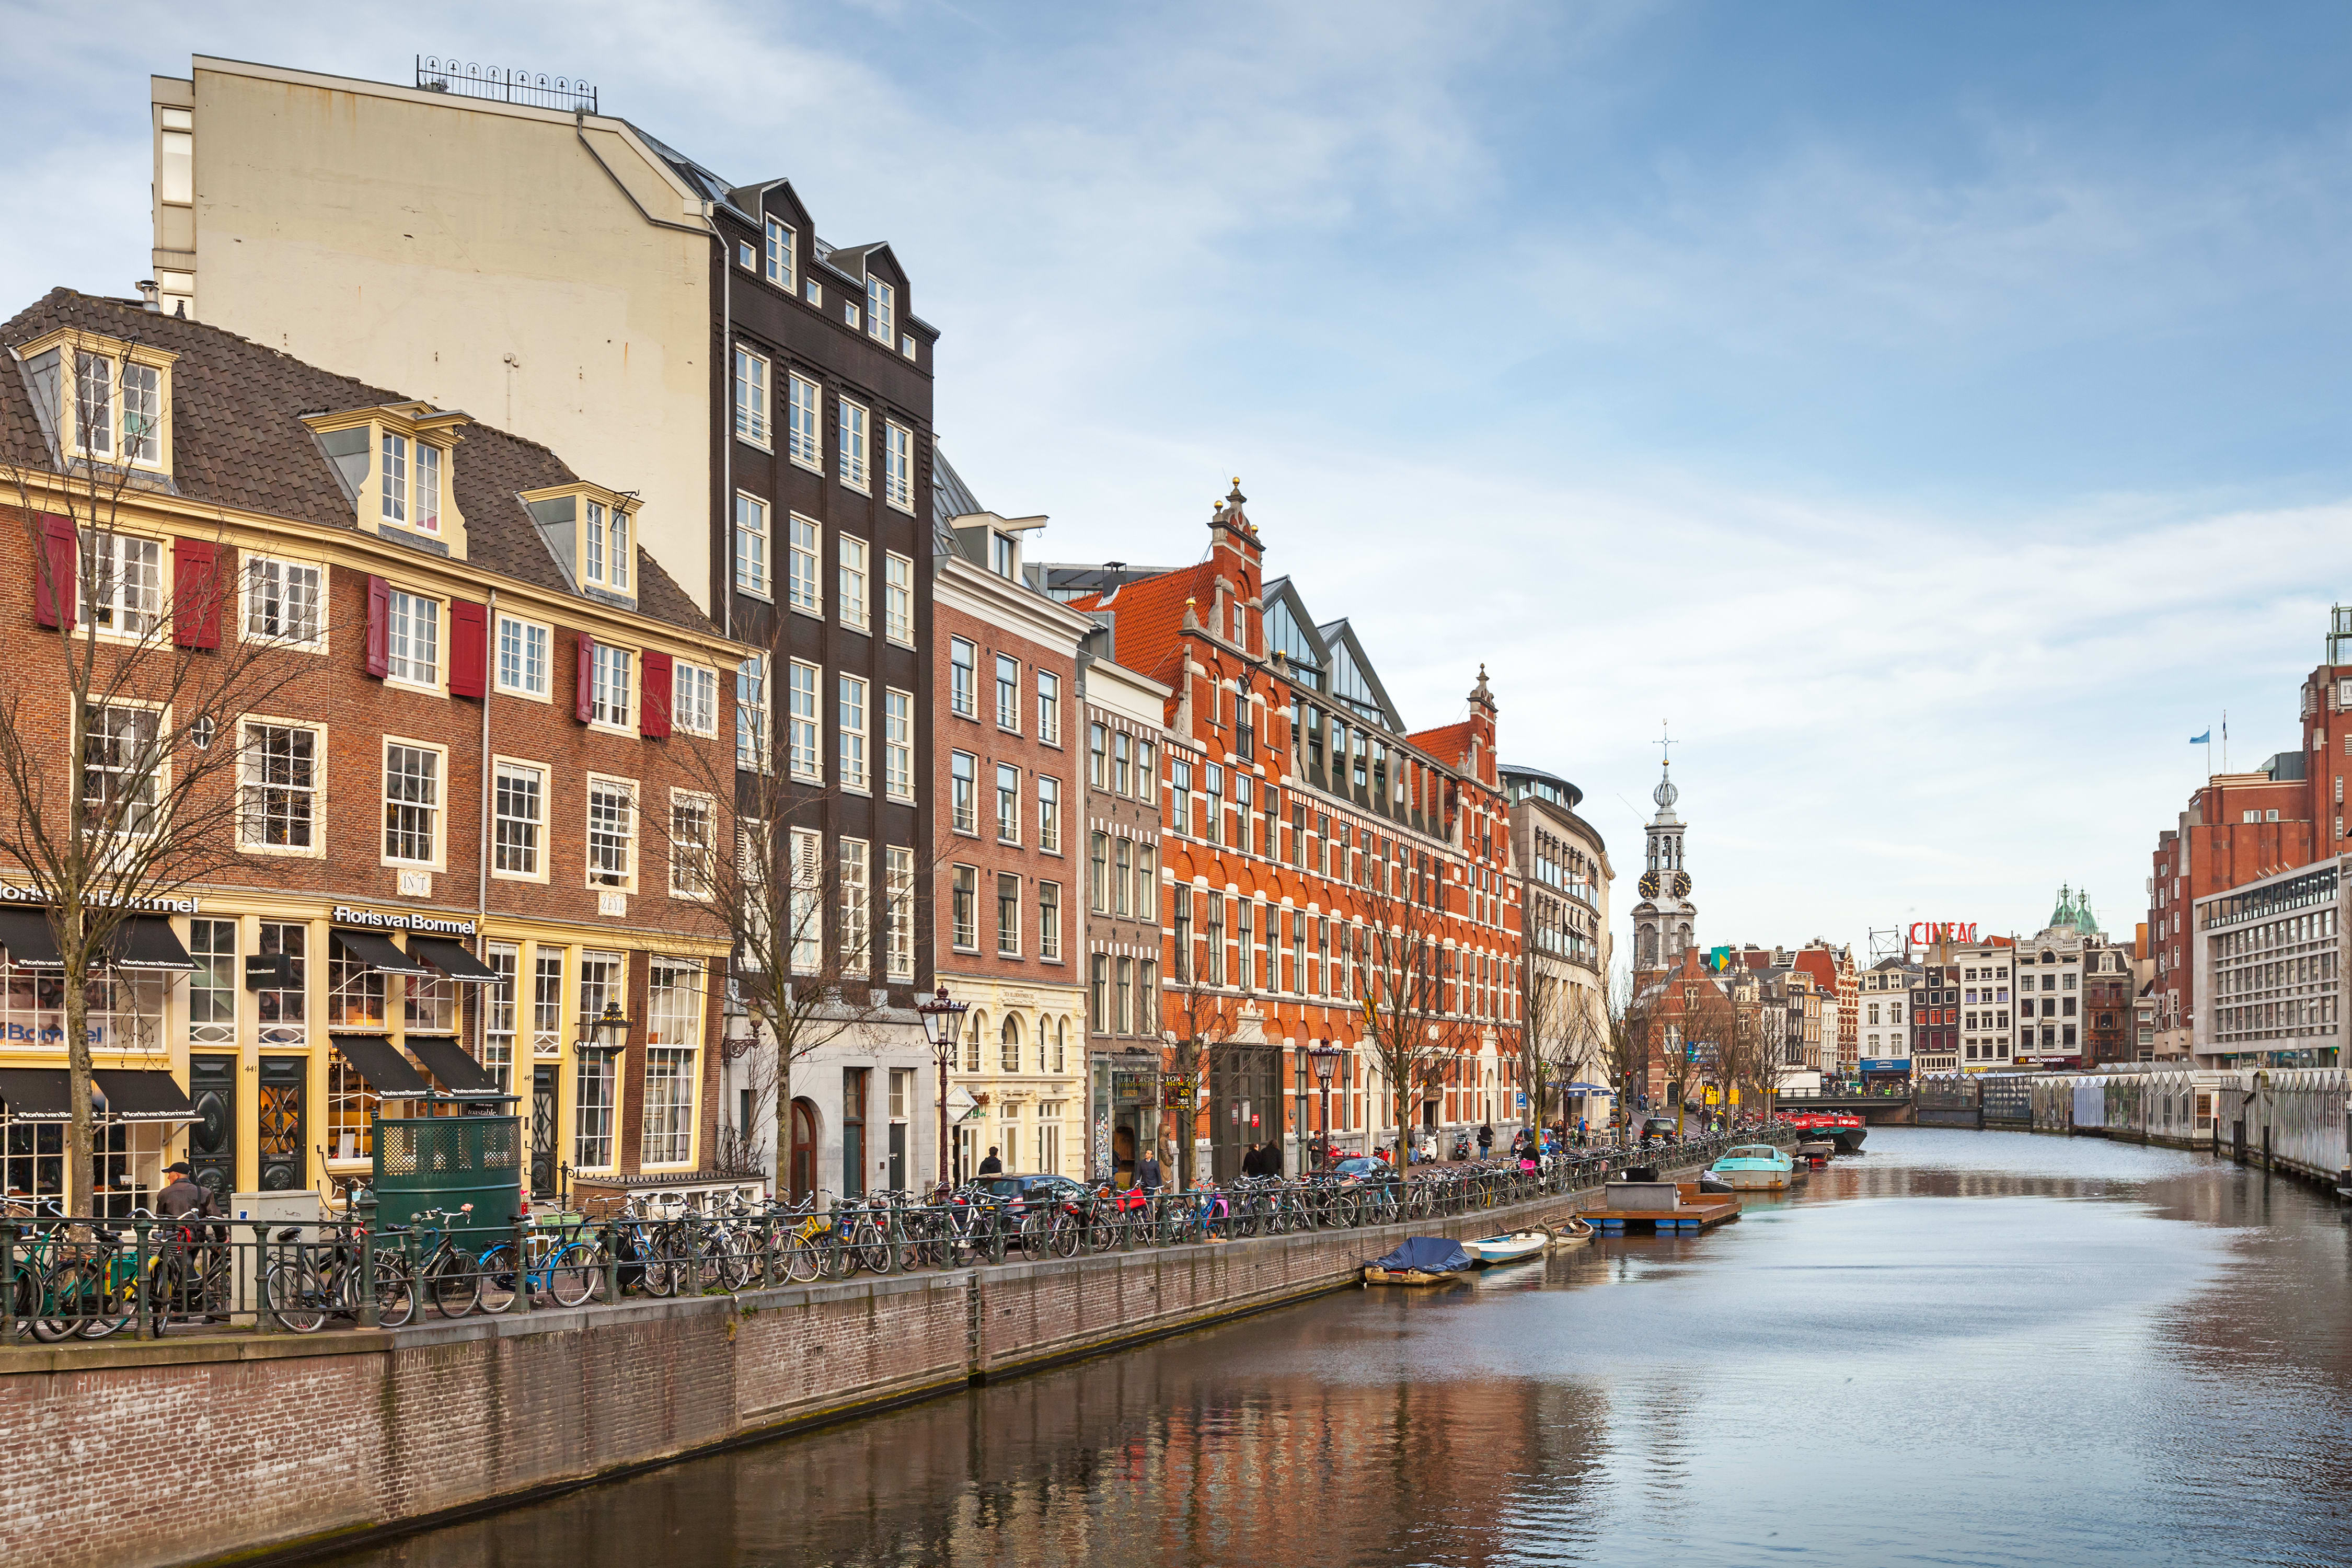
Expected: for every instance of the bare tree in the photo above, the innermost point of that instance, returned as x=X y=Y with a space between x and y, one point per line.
x=1200 y=1016
x=138 y=797
x=1628 y=1044
x=1404 y=978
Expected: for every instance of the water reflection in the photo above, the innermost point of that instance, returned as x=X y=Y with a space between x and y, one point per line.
x=1962 y=1348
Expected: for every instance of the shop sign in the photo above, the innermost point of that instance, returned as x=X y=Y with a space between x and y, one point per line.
x=1131 y=1085
x=401 y=919
x=188 y=905
x=1927 y=934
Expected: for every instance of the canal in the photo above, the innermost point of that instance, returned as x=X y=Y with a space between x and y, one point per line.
x=1960 y=1348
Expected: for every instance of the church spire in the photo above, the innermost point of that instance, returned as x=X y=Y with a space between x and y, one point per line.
x=1664 y=921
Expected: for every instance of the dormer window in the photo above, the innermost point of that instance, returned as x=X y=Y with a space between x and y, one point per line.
x=589 y=527
x=1001 y=559
x=103 y=400
x=881 y=310
x=411 y=471
x=393 y=462
x=605 y=533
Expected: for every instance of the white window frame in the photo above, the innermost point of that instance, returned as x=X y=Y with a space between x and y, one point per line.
x=612 y=672
x=751 y=747
x=1049 y=708
x=898 y=891
x=256 y=568
x=400 y=610
x=854 y=910
x=754 y=414
x=881 y=310
x=1007 y=694
x=1004 y=797
x=856 y=445
x=501 y=769
x=436 y=812
x=805 y=737
x=315 y=791
x=694 y=698
x=1049 y=815
x=963 y=795
x=898 y=599
x=527 y=631
x=805 y=566
x=159 y=777
x=964 y=703
x=804 y=906
x=685 y=882
x=780 y=258
x=852 y=590
x=899 y=467
x=853 y=713
x=804 y=422
x=103 y=564
x=752 y=553
x=605 y=880
x=899 y=743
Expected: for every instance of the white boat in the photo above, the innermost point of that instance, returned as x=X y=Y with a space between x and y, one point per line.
x=1572 y=1233
x=1490 y=1249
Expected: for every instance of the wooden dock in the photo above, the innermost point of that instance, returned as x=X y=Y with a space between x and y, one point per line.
x=1695 y=1211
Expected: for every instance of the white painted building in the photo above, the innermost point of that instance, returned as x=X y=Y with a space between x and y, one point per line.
x=1884 y=997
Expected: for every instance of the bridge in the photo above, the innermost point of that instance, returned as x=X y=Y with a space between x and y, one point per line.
x=1888 y=1107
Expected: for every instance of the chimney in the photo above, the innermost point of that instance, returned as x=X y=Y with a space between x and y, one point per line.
x=150 y=295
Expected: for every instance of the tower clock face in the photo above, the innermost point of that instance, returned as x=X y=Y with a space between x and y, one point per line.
x=1649 y=884
x=1682 y=884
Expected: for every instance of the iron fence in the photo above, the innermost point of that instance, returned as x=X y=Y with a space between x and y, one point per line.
x=506 y=84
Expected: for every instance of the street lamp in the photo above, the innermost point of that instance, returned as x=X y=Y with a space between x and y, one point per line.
x=943 y=1026
x=1326 y=1058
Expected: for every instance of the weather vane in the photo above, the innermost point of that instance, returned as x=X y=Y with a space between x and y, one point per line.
x=1665 y=756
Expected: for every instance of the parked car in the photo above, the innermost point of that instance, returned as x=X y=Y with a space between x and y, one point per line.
x=1659 y=1128
x=1031 y=1188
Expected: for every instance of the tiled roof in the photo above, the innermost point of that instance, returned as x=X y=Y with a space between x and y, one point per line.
x=1449 y=743
x=1149 y=617
x=238 y=440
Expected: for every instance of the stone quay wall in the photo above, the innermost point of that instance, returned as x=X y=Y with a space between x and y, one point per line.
x=270 y=1448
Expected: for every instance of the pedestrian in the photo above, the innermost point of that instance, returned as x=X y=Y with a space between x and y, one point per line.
x=1272 y=1163
x=1146 y=1174
x=184 y=1197
x=1486 y=1139
x=1254 y=1163
x=991 y=1166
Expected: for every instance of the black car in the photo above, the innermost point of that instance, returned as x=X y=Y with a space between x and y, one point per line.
x=1027 y=1189
x=1363 y=1168
x=1660 y=1127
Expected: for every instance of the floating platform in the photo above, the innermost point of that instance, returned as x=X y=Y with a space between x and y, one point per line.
x=1694 y=1210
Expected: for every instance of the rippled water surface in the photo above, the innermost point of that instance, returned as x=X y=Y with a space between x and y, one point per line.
x=1961 y=1348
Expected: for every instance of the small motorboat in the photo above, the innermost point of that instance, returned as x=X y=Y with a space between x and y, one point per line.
x=1419 y=1260
x=1713 y=1185
x=1573 y=1232
x=1754 y=1167
x=1488 y=1250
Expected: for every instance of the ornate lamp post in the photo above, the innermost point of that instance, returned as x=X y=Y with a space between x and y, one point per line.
x=943 y=1026
x=1327 y=1060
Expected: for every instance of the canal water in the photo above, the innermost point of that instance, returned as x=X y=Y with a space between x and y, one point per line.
x=1959 y=1348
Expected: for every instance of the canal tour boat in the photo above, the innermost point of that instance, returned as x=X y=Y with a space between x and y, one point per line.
x=1419 y=1260
x=1489 y=1251
x=1756 y=1167
x=1844 y=1129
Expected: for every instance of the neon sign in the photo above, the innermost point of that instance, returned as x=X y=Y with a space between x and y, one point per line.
x=1926 y=933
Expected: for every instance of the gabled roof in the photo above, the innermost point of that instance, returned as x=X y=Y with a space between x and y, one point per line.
x=1449 y=743
x=238 y=440
x=1150 y=619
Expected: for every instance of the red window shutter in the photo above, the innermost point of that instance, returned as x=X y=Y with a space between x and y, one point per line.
x=584 y=704
x=57 y=592
x=196 y=594
x=378 y=626
x=653 y=707
x=469 y=648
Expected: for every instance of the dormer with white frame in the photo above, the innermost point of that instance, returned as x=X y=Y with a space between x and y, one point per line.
x=993 y=542
x=102 y=399
x=397 y=465
x=592 y=531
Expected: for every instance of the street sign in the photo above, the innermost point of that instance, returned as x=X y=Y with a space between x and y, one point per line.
x=961 y=1104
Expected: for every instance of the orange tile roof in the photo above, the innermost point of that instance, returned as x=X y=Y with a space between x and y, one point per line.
x=1449 y=743
x=1150 y=619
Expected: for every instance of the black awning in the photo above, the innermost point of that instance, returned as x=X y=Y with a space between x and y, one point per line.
x=144 y=1096
x=450 y=958
x=38 y=1094
x=378 y=953
x=25 y=934
x=386 y=1070
x=145 y=941
x=446 y=1059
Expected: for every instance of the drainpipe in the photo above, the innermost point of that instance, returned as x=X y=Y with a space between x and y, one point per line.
x=482 y=845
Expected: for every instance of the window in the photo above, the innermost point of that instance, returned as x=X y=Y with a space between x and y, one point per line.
x=284 y=1012
x=279 y=770
x=520 y=812
x=124 y=591
x=1122 y=770
x=801 y=567
x=547 y=1002
x=1122 y=873
x=354 y=992
x=522 y=656
x=854 y=613
x=899 y=599
x=967 y=909
x=94 y=403
x=964 y=792
x=1008 y=803
x=752 y=397
x=411 y=803
x=351 y=1107
x=849 y=311
x=608 y=690
x=1098 y=994
x=612 y=832
x=591 y=1142
x=806 y=762
x=806 y=442
x=1004 y=558
x=1049 y=815
x=1145 y=786
x=899 y=743
x=428 y=1005
x=1147 y=883
x=963 y=678
x=856 y=932
x=499 y=1013
x=898 y=891
x=617 y=527
x=673 y=1031
x=1049 y=921
x=751 y=545
x=1098 y=861
x=807 y=913
x=410 y=500
x=899 y=467
x=1008 y=693
x=751 y=713
x=778 y=261
x=212 y=989
x=1098 y=756
x=412 y=640
x=281 y=601
x=881 y=310
x=693 y=833
x=1049 y=708
x=1008 y=914
x=852 y=739
x=854 y=444
x=1123 y=1020
x=1008 y=1054
x=744 y=256
x=694 y=698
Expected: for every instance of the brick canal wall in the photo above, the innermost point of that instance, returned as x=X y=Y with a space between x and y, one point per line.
x=260 y=1447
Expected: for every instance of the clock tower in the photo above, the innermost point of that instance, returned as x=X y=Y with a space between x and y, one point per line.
x=1662 y=921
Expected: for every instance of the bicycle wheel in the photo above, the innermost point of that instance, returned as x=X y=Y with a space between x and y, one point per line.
x=1063 y=1240
x=296 y=1297
x=874 y=1252
x=802 y=1263
x=454 y=1284
x=395 y=1291
x=497 y=1279
x=576 y=1274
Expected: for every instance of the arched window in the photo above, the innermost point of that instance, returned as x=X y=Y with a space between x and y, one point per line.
x=973 y=1037
x=1009 y=1056
x=1061 y=1041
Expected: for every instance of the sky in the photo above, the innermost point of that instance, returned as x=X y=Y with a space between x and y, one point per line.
x=1932 y=415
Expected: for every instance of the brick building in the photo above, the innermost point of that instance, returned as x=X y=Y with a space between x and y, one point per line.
x=1296 y=806
x=1008 y=928
x=466 y=820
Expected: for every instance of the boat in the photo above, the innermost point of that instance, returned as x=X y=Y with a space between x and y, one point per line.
x=1487 y=1250
x=1754 y=1167
x=1571 y=1232
x=1419 y=1260
x=1844 y=1129
x=1713 y=1185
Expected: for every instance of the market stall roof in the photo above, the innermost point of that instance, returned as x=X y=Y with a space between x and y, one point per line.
x=379 y=951
x=36 y=1094
x=145 y=941
x=447 y=1060
x=386 y=1070
x=31 y=944
x=450 y=958
x=144 y=1095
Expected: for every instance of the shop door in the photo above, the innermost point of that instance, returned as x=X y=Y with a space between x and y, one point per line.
x=853 y=1132
x=212 y=1142
x=542 y=1129
x=804 y=1163
x=1245 y=1088
x=280 y=1123
x=898 y=1156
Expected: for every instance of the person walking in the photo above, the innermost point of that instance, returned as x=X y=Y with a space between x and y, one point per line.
x=1146 y=1172
x=1271 y=1165
x=1254 y=1162
x=1486 y=1139
x=991 y=1166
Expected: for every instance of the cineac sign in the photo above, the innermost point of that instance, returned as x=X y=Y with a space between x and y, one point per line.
x=1927 y=934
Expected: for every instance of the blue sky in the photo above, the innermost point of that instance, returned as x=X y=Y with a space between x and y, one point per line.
x=1933 y=414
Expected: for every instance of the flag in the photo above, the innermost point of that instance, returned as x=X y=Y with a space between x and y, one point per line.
x=2204 y=740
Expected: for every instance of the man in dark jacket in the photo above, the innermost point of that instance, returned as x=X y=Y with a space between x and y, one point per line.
x=991 y=1165
x=1254 y=1163
x=1146 y=1174
x=1485 y=1141
x=184 y=1197
x=1270 y=1163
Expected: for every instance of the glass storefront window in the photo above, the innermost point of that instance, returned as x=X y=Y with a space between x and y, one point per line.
x=351 y=1107
x=429 y=1006
x=674 y=1004
x=669 y=1107
x=592 y=1148
x=284 y=1015
x=212 y=989
x=604 y=978
x=499 y=1021
x=547 y=1003
x=354 y=994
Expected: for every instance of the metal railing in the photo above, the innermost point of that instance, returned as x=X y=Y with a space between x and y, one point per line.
x=146 y=1276
x=506 y=84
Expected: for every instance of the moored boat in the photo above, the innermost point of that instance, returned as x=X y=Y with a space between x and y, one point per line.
x=1754 y=1167
x=1419 y=1260
x=1487 y=1250
x=1844 y=1129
